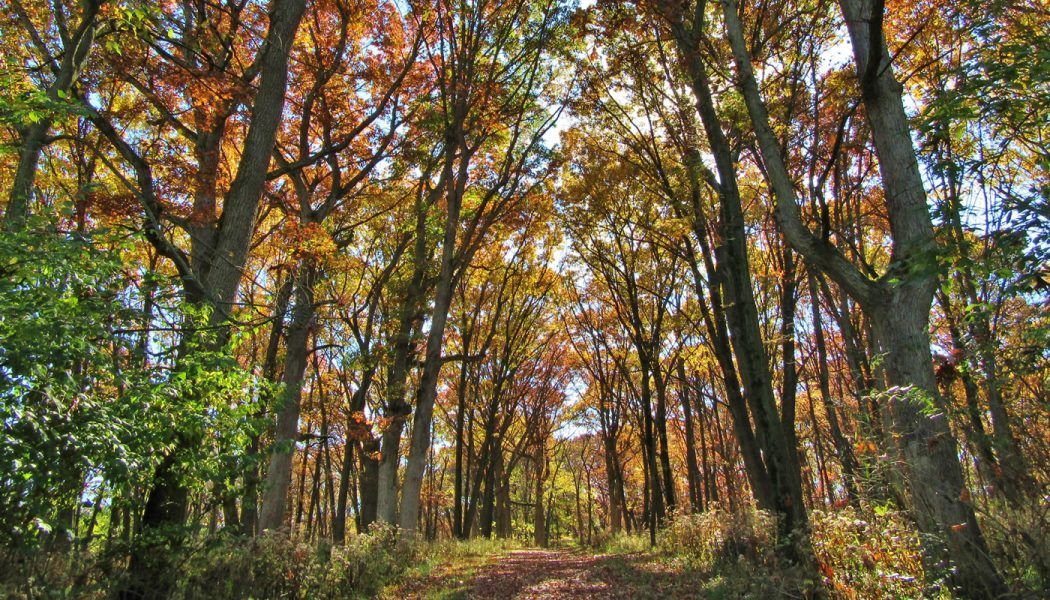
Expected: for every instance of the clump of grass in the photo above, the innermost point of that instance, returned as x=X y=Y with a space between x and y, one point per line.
x=620 y=543
x=475 y=547
x=1019 y=536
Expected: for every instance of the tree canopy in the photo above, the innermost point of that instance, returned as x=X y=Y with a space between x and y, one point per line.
x=292 y=289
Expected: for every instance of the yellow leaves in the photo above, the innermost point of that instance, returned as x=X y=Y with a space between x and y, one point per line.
x=673 y=227
x=311 y=242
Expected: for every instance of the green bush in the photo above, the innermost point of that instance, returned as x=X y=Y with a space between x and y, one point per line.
x=60 y=307
x=275 y=566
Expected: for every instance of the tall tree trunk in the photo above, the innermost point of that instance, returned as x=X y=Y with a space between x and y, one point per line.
x=357 y=406
x=432 y=362
x=710 y=477
x=696 y=503
x=899 y=307
x=539 y=513
x=843 y=448
x=457 y=495
x=789 y=385
x=250 y=500
x=286 y=433
x=933 y=473
x=488 y=496
x=369 y=482
x=779 y=457
x=655 y=514
x=661 y=432
x=612 y=481
x=396 y=409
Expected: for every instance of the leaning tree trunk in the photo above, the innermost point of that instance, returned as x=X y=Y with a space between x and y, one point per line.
x=897 y=304
x=931 y=461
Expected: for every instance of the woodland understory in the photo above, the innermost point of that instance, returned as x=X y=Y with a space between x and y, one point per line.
x=524 y=298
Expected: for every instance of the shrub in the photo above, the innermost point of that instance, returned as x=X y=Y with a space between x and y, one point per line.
x=717 y=537
x=867 y=556
x=859 y=555
x=1019 y=537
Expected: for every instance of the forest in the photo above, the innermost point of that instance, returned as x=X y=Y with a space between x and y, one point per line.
x=524 y=299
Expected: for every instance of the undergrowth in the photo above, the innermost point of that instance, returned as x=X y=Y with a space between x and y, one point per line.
x=270 y=566
x=859 y=554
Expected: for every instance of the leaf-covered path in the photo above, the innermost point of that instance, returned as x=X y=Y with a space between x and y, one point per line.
x=536 y=573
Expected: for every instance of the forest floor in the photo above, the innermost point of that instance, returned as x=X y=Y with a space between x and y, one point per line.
x=554 y=573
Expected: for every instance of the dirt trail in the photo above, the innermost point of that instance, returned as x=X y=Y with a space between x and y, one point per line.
x=534 y=574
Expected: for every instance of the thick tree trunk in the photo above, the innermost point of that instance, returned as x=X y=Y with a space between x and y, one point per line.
x=148 y=569
x=612 y=471
x=29 y=152
x=933 y=474
x=503 y=503
x=369 y=482
x=655 y=514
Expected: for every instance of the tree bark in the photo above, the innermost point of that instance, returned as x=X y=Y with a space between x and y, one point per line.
x=779 y=457
x=396 y=409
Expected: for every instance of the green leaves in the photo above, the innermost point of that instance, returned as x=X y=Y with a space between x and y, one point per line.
x=58 y=311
